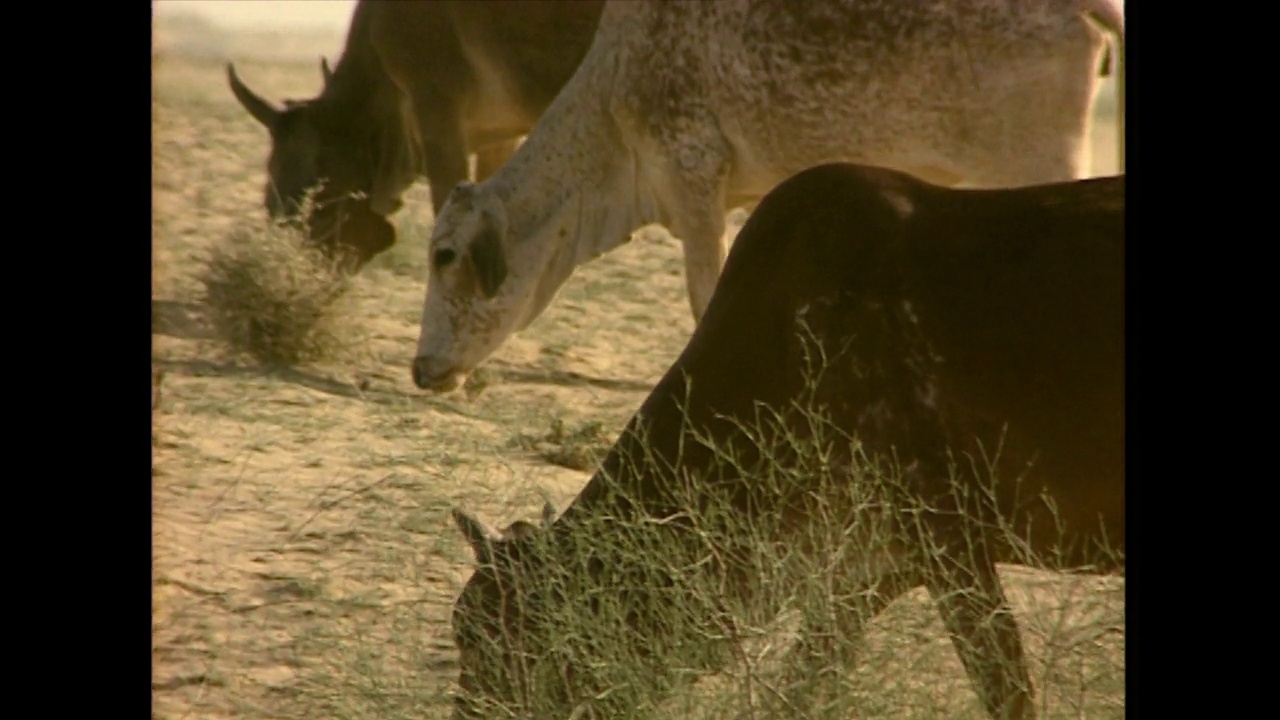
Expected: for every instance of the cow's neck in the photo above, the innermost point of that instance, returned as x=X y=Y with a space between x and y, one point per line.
x=669 y=617
x=571 y=191
x=362 y=93
x=358 y=78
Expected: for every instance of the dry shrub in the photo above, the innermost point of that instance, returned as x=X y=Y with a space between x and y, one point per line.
x=274 y=299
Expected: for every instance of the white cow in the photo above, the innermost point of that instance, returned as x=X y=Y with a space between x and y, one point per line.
x=682 y=111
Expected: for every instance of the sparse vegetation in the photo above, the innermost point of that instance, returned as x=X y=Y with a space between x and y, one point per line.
x=642 y=608
x=315 y=576
x=273 y=298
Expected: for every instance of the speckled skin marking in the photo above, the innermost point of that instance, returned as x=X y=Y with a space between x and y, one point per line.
x=683 y=110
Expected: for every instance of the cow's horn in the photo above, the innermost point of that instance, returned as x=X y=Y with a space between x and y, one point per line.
x=261 y=110
x=324 y=70
x=475 y=533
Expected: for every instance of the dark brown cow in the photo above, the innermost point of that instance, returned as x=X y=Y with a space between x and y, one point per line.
x=419 y=88
x=952 y=322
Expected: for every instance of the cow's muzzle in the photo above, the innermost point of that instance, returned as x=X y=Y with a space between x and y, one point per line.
x=434 y=379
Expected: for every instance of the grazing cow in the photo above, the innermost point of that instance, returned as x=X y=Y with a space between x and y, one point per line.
x=419 y=88
x=952 y=322
x=682 y=110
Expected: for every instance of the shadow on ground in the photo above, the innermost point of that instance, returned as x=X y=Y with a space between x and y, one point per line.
x=360 y=389
x=569 y=379
x=184 y=320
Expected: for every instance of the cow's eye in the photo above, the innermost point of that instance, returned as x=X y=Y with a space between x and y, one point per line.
x=443 y=258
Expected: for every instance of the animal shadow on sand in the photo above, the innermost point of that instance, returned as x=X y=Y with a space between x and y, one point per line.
x=566 y=378
x=356 y=389
x=179 y=319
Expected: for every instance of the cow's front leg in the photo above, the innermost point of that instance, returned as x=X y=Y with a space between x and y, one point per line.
x=704 y=255
x=829 y=640
x=962 y=579
x=693 y=196
x=446 y=160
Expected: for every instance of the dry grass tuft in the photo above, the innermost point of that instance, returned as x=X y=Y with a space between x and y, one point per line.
x=274 y=299
x=578 y=448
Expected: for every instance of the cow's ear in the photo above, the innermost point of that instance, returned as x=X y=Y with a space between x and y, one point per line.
x=523 y=529
x=488 y=258
x=477 y=536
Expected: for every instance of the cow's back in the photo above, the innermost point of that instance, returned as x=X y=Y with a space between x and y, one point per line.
x=945 y=315
x=540 y=42
x=912 y=84
x=1021 y=296
x=531 y=46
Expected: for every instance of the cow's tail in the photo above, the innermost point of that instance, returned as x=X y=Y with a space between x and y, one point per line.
x=1108 y=15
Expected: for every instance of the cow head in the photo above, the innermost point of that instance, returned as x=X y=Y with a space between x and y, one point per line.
x=489 y=623
x=554 y=620
x=479 y=288
x=323 y=148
